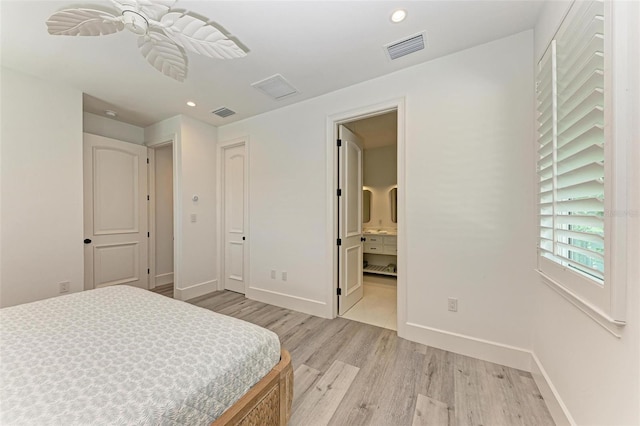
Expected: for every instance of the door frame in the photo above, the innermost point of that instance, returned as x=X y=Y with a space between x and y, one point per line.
x=232 y=143
x=177 y=207
x=151 y=155
x=332 y=122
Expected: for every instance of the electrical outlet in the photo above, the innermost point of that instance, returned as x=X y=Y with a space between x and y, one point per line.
x=284 y=275
x=64 y=286
x=273 y=274
x=452 y=304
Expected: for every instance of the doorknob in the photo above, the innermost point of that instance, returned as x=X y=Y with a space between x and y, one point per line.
x=363 y=239
x=87 y=241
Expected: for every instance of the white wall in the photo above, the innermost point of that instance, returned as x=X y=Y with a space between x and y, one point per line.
x=1 y=105
x=380 y=174
x=287 y=221
x=199 y=250
x=41 y=170
x=164 y=213
x=110 y=128
x=596 y=375
x=194 y=152
x=548 y=23
x=469 y=194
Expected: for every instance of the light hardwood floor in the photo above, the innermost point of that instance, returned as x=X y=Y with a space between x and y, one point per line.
x=165 y=290
x=350 y=373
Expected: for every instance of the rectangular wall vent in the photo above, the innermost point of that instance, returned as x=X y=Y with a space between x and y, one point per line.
x=223 y=112
x=275 y=87
x=405 y=47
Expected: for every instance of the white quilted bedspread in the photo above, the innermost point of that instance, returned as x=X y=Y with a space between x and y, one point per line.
x=122 y=355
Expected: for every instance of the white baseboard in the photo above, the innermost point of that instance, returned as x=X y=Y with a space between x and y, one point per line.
x=195 y=290
x=486 y=350
x=164 y=279
x=300 y=304
x=557 y=409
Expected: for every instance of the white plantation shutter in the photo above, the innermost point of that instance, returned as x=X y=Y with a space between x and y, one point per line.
x=571 y=137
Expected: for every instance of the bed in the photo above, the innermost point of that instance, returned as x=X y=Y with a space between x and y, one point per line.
x=122 y=355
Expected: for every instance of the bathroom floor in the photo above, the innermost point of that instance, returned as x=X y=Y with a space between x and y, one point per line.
x=379 y=305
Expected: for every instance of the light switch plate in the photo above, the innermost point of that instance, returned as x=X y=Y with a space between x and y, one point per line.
x=452 y=304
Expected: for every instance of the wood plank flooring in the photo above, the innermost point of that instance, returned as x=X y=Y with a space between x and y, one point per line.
x=350 y=373
x=322 y=400
x=165 y=290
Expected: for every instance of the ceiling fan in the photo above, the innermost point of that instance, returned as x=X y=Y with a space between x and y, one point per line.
x=165 y=34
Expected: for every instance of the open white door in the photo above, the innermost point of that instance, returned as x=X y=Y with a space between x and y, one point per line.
x=115 y=213
x=234 y=216
x=350 y=289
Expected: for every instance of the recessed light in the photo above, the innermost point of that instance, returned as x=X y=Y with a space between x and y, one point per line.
x=111 y=113
x=191 y=103
x=398 y=15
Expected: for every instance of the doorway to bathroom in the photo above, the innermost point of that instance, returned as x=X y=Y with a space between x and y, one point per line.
x=368 y=219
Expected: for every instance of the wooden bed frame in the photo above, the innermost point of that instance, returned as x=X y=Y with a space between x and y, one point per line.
x=268 y=402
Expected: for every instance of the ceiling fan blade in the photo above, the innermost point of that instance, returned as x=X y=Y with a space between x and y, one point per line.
x=151 y=9
x=199 y=37
x=164 y=55
x=83 y=22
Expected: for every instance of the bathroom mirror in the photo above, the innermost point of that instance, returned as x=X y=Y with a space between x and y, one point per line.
x=393 y=201
x=366 y=205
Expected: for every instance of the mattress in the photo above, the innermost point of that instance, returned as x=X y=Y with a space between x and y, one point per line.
x=122 y=355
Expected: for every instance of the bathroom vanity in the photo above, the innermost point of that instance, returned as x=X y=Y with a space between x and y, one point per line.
x=380 y=250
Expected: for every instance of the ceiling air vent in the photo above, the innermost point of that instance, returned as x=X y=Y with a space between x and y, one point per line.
x=405 y=47
x=223 y=112
x=275 y=86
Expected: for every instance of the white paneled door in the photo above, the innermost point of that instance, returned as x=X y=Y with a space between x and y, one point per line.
x=234 y=217
x=350 y=220
x=115 y=213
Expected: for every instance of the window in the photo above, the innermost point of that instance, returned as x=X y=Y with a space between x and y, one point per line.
x=575 y=159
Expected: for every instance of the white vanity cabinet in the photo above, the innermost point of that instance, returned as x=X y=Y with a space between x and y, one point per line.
x=381 y=244
x=386 y=246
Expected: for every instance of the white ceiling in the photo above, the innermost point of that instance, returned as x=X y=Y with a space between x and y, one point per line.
x=377 y=131
x=319 y=46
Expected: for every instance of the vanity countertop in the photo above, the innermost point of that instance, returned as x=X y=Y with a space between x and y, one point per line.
x=380 y=232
